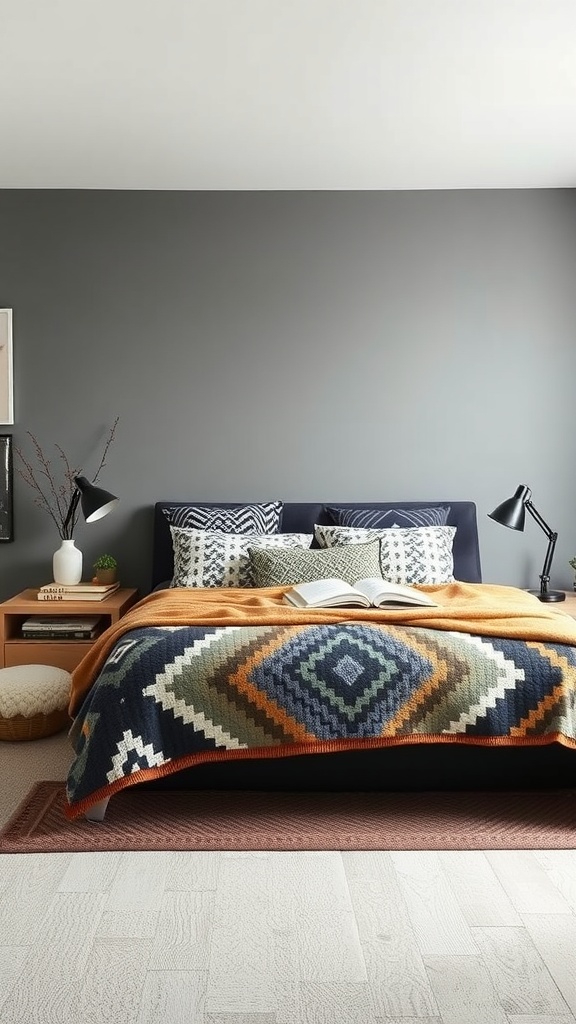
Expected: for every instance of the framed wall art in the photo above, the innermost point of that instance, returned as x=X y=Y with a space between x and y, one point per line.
x=6 y=381
x=6 y=473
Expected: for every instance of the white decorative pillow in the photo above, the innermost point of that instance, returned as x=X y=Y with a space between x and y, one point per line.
x=334 y=536
x=419 y=555
x=215 y=558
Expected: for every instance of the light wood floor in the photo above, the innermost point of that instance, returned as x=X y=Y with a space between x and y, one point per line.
x=282 y=938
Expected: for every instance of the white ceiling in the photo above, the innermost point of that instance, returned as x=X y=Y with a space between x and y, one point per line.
x=287 y=94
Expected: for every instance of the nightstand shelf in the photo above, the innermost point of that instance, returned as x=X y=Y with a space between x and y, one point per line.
x=15 y=650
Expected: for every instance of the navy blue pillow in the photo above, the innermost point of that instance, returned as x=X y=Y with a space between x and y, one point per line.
x=261 y=517
x=382 y=519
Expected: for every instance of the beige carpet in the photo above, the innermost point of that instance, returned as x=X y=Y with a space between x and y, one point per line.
x=145 y=820
x=23 y=764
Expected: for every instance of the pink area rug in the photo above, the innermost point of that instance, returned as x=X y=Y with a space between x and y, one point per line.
x=140 y=819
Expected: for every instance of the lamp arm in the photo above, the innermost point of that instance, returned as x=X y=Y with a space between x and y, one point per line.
x=541 y=522
x=552 y=538
x=545 y=577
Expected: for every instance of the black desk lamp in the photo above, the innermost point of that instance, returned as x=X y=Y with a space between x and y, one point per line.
x=512 y=513
x=96 y=503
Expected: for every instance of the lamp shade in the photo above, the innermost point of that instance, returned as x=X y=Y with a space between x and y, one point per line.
x=96 y=502
x=512 y=512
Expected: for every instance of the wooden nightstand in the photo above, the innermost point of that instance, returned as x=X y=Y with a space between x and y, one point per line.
x=14 y=650
x=569 y=605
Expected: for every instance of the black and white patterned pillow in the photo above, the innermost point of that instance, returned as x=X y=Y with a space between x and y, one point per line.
x=334 y=536
x=214 y=558
x=285 y=568
x=420 y=555
x=381 y=519
x=262 y=517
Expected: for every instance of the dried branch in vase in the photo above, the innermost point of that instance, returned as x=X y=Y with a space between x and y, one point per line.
x=54 y=486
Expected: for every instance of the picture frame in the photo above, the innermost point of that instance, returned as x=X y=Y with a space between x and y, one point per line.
x=6 y=484
x=6 y=369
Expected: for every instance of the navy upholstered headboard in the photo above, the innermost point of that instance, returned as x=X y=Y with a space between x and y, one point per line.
x=299 y=517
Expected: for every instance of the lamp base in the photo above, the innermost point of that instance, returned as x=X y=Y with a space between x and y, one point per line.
x=549 y=595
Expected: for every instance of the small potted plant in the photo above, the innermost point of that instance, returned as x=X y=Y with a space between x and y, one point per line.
x=572 y=562
x=106 y=569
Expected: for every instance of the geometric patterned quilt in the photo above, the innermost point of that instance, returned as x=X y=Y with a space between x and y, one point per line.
x=169 y=697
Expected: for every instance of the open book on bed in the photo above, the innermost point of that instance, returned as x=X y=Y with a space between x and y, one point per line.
x=372 y=592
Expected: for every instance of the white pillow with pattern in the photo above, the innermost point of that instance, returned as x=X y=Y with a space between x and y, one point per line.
x=420 y=555
x=215 y=558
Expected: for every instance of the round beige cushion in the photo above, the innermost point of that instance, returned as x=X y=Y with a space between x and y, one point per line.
x=33 y=701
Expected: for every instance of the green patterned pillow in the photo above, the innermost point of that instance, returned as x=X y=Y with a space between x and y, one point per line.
x=278 y=568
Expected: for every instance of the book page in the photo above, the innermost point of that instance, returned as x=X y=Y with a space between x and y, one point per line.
x=324 y=593
x=381 y=591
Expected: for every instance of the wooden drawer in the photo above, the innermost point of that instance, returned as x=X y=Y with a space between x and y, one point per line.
x=38 y=652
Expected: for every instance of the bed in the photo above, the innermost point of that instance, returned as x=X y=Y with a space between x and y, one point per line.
x=478 y=696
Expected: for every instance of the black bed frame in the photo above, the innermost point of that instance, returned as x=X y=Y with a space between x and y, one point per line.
x=416 y=766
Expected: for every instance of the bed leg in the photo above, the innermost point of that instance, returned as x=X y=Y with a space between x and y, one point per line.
x=97 y=811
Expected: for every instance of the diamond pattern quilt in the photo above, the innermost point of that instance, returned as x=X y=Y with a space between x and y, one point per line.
x=172 y=696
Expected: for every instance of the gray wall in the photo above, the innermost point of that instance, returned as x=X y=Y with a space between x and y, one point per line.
x=303 y=345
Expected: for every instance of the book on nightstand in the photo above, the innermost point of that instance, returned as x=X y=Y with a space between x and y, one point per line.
x=55 y=627
x=78 y=592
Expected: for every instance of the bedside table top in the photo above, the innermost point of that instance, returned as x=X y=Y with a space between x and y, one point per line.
x=27 y=601
x=569 y=605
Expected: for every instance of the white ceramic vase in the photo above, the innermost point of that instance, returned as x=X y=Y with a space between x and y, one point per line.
x=67 y=564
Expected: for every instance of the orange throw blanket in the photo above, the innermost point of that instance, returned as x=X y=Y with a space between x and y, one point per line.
x=480 y=608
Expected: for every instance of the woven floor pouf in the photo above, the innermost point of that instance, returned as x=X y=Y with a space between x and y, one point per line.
x=33 y=701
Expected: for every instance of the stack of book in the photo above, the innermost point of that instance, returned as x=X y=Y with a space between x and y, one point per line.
x=53 y=627
x=78 y=592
